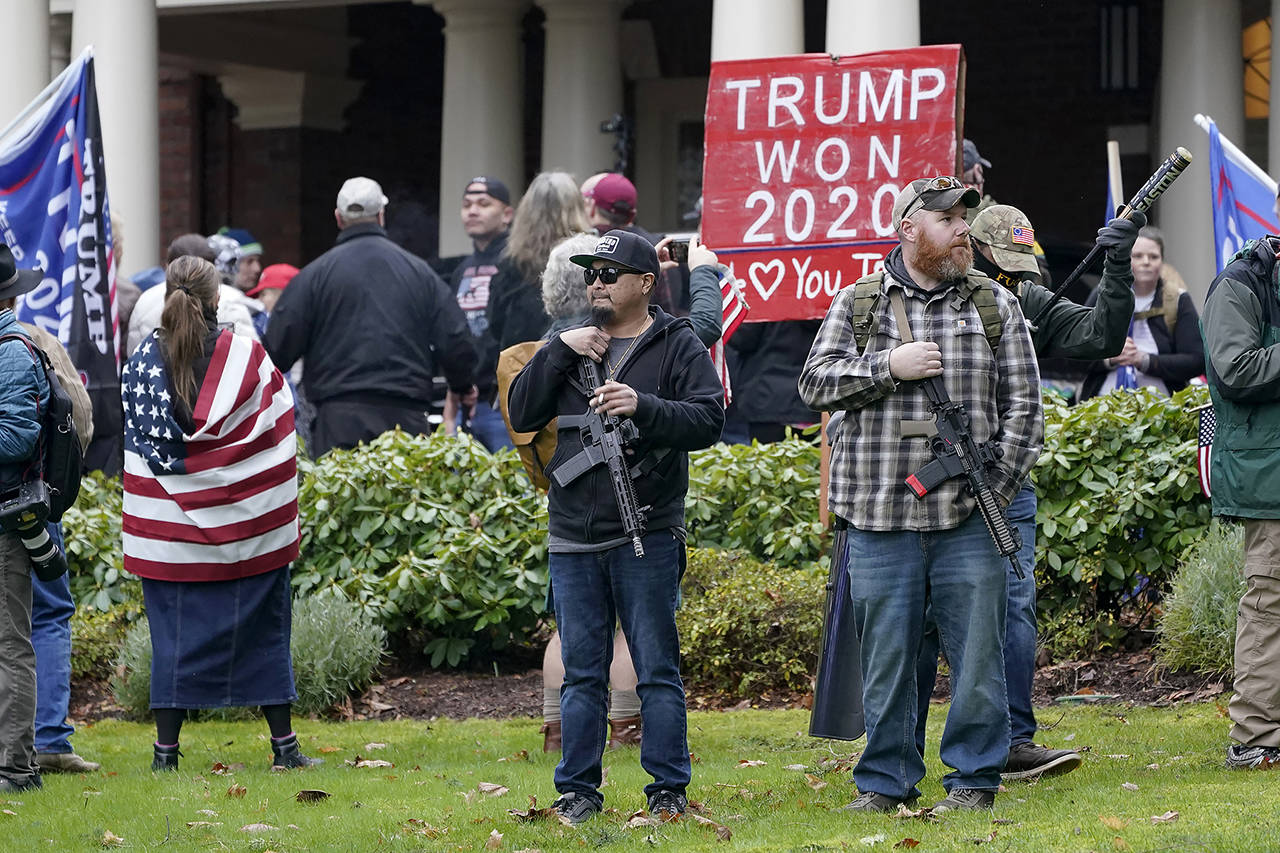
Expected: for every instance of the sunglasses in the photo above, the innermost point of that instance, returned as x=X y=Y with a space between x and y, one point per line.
x=608 y=275
x=941 y=183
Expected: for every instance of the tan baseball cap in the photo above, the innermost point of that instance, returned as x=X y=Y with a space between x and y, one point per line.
x=1008 y=232
x=940 y=193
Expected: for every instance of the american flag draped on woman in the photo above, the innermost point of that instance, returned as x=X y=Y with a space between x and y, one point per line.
x=211 y=515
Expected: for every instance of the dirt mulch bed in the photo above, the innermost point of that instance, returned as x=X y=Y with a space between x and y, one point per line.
x=1130 y=677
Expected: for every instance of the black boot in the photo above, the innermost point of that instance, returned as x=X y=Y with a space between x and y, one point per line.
x=166 y=757
x=288 y=756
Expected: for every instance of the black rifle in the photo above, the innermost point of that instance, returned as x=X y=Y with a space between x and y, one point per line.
x=604 y=441
x=956 y=454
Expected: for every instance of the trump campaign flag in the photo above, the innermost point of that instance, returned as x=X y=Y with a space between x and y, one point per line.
x=54 y=216
x=1243 y=196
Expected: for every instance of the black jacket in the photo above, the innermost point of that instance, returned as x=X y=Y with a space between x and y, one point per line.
x=479 y=267
x=765 y=381
x=680 y=407
x=516 y=312
x=1180 y=356
x=371 y=320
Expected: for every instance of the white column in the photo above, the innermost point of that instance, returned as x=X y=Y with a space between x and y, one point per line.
x=752 y=29
x=582 y=84
x=26 y=56
x=867 y=26
x=1200 y=73
x=480 y=125
x=123 y=35
x=1273 y=112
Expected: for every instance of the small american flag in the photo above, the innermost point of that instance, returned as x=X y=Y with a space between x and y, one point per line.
x=1025 y=236
x=222 y=502
x=1208 y=426
x=734 y=308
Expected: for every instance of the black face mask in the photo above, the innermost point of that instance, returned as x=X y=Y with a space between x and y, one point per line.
x=1009 y=280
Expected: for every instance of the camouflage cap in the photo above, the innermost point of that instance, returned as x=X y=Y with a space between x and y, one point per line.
x=1009 y=234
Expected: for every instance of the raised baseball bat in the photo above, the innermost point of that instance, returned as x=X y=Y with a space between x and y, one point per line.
x=1160 y=180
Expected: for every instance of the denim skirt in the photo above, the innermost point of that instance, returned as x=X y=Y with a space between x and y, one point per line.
x=217 y=644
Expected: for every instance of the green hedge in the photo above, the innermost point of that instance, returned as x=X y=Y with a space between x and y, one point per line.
x=1119 y=501
x=1197 y=628
x=444 y=545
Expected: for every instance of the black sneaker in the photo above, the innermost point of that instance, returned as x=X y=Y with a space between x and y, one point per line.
x=667 y=805
x=1242 y=757
x=966 y=799
x=574 y=808
x=17 y=786
x=1029 y=760
x=870 y=801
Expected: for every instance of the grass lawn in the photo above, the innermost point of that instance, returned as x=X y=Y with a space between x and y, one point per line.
x=1140 y=763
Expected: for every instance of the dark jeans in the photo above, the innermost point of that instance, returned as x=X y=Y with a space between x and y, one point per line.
x=51 y=612
x=1019 y=633
x=896 y=577
x=591 y=591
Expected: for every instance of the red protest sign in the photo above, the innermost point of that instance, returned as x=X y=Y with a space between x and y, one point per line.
x=804 y=158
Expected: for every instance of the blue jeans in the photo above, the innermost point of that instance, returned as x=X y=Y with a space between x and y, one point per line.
x=1019 y=632
x=896 y=578
x=487 y=425
x=591 y=591
x=51 y=611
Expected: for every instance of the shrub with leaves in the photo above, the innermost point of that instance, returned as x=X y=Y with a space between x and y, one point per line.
x=758 y=498
x=335 y=646
x=427 y=533
x=1119 y=499
x=95 y=550
x=746 y=626
x=131 y=685
x=1197 y=630
x=96 y=636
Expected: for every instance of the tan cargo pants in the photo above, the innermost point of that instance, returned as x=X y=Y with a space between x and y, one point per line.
x=17 y=664
x=1255 y=707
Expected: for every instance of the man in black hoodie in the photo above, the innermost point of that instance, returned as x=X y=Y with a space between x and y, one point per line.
x=658 y=375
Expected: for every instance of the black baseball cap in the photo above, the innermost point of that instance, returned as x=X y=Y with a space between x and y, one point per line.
x=627 y=250
x=491 y=186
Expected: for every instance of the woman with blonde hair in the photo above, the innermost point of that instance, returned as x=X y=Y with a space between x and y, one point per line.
x=211 y=515
x=551 y=210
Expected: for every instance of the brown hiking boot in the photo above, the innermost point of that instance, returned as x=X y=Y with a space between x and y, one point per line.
x=551 y=736
x=624 y=732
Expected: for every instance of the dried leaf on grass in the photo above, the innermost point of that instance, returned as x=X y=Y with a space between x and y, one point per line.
x=193 y=824
x=522 y=755
x=1113 y=823
x=308 y=795
x=987 y=840
x=237 y=791
x=370 y=747
x=907 y=844
x=110 y=839
x=418 y=826
x=872 y=840
x=360 y=761
x=1128 y=786
x=800 y=767
x=534 y=813
x=1167 y=817
x=641 y=819
x=722 y=832
x=495 y=840
x=814 y=782
x=328 y=749
x=746 y=762
x=258 y=827
x=220 y=769
x=209 y=812
x=490 y=789
x=9 y=812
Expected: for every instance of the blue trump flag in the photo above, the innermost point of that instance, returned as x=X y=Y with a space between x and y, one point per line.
x=55 y=218
x=1243 y=196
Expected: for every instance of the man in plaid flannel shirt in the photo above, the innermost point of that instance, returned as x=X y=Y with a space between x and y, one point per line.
x=908 y=555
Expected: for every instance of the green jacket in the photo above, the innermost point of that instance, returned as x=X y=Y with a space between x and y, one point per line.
x=1074 y=331
x=1241 y=330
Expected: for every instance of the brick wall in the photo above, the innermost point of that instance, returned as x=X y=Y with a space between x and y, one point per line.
x=179 y=152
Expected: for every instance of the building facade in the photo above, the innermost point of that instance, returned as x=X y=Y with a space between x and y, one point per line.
x=250 y=113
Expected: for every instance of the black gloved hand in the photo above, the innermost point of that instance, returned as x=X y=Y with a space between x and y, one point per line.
x=1118 y=235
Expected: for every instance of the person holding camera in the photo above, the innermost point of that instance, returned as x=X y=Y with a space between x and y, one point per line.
x=24 y=394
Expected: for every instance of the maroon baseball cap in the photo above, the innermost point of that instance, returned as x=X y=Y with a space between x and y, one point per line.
x=615 y=193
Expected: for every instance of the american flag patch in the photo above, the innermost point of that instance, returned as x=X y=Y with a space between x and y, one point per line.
x=1024 y=236
x=1208 y=427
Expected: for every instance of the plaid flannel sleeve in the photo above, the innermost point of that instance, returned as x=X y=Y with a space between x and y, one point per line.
x=1018 y=405
x=835 y=376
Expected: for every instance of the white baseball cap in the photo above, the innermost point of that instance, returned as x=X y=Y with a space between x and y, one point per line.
x=361 y=197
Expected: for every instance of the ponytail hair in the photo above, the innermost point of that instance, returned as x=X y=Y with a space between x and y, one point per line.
x=191 y=294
